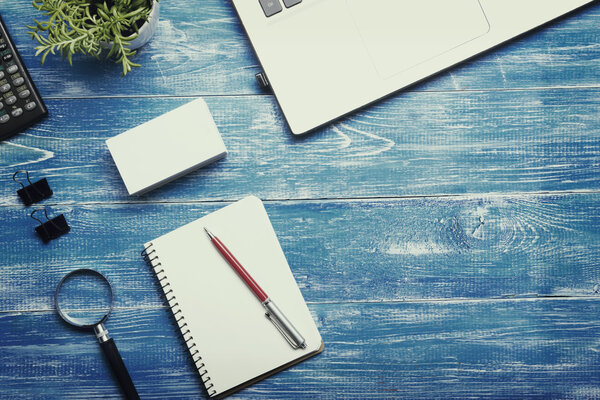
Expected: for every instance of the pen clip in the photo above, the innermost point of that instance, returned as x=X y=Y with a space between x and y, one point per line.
x=281 y=330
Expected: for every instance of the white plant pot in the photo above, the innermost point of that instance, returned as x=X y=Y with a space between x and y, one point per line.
x=147 y=30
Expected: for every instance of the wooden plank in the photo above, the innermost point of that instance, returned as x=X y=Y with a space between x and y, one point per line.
x=420 y=144
x=455 y=350
x=204 y=51
x=440 y=248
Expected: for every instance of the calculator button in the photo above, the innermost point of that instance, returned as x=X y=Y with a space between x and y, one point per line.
x=19 y=81
x=4 y=119
x=291 y=3
x=1 y=74
x=11 y=100
x=5 y=88
x=12 y=69
x=270 y=7
x=24 y=93
x=17 y=112
x=3 y=46
x=30 y=106
x=7 y=57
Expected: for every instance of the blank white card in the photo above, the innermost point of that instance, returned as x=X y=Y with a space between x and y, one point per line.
x=167 y=147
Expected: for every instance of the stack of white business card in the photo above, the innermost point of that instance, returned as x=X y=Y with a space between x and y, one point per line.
x=167 y=147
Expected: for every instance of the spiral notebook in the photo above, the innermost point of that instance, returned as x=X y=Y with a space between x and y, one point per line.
x=230 y=339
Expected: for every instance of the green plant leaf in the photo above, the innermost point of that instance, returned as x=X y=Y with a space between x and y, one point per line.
x=82 y=26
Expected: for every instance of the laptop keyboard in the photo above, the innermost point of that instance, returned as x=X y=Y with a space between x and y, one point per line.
x=272 y=7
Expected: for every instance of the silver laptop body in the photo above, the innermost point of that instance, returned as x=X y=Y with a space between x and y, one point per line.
x=326 y=58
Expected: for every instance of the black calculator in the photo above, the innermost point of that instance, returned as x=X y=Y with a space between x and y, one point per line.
x=20 y=102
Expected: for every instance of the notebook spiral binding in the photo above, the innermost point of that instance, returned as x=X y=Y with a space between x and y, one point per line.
x=149 y=255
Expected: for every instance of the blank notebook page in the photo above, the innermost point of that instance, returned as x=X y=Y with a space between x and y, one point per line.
x=236 y=341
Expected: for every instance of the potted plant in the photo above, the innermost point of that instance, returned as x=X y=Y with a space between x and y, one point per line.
x=92 y=27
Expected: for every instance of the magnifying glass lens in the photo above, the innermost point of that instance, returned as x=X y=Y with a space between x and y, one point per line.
x=84 y=298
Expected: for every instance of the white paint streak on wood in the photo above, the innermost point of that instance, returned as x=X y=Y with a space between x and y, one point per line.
x=346 y=141
x=382 y=144
x=64 y=139
x=417 y=248
x=45 y=155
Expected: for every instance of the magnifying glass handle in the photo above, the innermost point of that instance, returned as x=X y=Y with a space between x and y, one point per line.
x=118 y=366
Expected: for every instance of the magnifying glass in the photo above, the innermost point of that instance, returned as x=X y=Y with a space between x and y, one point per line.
x=84 y=298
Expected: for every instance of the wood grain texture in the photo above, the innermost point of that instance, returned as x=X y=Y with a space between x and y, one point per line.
x=489 y=349
x=200 y=49
x=419 y=144
x=338 y=251
x=446 y=239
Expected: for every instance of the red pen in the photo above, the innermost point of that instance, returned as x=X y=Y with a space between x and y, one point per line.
x=274 y=314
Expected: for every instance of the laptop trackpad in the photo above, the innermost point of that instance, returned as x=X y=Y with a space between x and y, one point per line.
x=401 y=34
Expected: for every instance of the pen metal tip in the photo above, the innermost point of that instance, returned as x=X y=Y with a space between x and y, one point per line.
x=209 y=233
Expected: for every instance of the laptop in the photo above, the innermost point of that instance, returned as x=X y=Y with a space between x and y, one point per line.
x=326 y=58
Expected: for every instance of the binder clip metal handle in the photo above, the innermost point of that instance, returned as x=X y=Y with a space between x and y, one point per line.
x=53 y=228
x=34 y=192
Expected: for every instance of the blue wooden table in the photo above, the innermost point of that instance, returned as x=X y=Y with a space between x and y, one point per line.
x=447 y=240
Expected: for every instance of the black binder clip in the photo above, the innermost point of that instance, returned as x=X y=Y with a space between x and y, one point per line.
x=51 y=229
x=34 y=192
